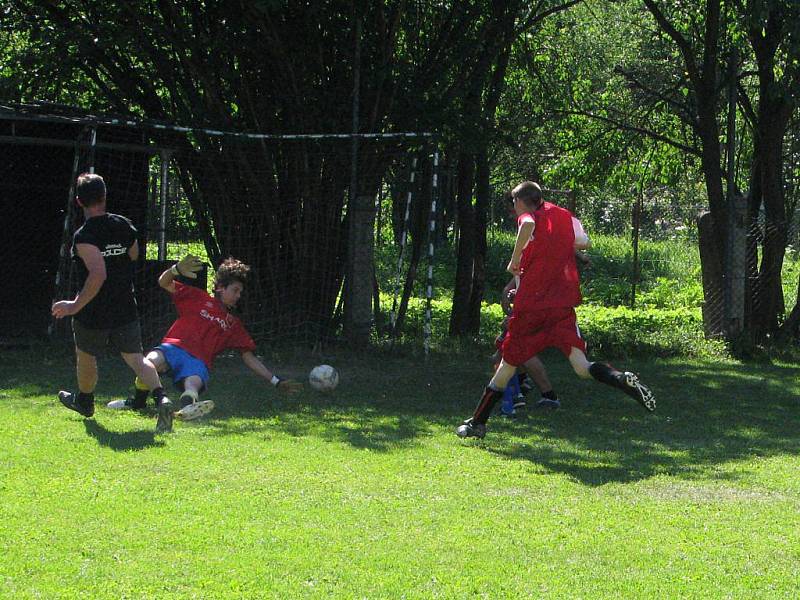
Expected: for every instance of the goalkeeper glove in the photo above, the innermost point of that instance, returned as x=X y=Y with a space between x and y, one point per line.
x=288 y=386
x=188 y=266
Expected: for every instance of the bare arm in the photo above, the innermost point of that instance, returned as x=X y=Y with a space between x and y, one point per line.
x=582 y=241
x=133 y=251
x=523 y=237
x=255 y=365
x=96 y=265
x=167 y=280
x=188 y=266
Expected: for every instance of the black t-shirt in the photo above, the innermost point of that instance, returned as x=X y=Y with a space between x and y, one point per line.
x=115 y=303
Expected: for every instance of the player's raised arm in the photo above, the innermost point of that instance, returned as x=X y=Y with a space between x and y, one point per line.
x=188 y=266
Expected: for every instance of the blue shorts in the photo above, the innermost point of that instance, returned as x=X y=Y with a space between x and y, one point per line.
x=183 y=364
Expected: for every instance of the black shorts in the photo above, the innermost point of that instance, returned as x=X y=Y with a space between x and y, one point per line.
x=126 y=339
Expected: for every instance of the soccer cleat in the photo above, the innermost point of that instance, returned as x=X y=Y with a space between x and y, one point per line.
x=128 y=403
x=519 y=401
x=630 y=384
x=69 y=400
x=164 y=422
x=193 y=411
x=548 y=403
x=471 y=429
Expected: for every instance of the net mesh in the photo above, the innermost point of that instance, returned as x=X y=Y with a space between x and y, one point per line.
x=280 y=204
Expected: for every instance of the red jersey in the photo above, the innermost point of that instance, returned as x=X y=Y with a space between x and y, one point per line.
x=204 y=327
x=549 y=277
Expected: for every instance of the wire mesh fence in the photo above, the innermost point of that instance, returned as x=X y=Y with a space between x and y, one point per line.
x=282 y=205
x=285 y=205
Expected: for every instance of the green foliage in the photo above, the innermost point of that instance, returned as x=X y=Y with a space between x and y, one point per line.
x=624 y=332
x=666 y=320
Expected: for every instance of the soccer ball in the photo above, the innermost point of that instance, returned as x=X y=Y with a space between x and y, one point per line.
x=323 y=378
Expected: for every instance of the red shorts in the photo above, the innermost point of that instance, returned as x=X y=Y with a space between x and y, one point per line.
x=532 y=331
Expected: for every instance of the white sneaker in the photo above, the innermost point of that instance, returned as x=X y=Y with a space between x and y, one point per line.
x=195 y=411
x=122 y=404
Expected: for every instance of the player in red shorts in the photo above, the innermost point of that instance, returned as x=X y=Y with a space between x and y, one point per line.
x=205 y=327
x=544 y=306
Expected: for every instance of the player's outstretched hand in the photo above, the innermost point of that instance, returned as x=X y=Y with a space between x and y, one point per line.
x=189 y=266
x=289 y=386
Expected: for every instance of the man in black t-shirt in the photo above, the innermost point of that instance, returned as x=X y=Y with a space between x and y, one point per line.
x=104 y=312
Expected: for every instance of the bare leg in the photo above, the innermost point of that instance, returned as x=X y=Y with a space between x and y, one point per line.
x=622 y=380
x=502 y=376
x=580 y=363
x=147 y=379
x=538 y=373
x=83 y=402
x=193 y=384
x=145 y=370
x=159 y=362
x=86 y=365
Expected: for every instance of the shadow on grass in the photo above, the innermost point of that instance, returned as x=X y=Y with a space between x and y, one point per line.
x=709 y=414
x=369 y=429
x=121 y=442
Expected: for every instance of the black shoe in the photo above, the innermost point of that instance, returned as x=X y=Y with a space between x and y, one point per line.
x=630 y=384
x=69 y=400
x=164 y=422
x=549 y=403
x=520 y=402
x=525 y=385
x=471 y=429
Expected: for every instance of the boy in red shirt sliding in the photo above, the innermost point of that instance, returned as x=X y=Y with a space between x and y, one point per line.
x=544 y=306
x=204 y=328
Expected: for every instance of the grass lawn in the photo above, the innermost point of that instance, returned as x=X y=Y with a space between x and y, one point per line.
x=367 y=492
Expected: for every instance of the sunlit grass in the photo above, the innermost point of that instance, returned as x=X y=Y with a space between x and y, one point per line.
x=367 y=492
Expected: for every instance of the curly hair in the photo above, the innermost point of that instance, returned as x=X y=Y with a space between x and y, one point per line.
x=229 y=271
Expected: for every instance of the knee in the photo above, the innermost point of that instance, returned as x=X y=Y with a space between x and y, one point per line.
x=582 y=371
x=156 y=360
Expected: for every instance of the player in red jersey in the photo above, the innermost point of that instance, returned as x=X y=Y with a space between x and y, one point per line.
x=204 y=328
x=544 y=306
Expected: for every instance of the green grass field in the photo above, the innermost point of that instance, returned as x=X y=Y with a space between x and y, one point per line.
x=367 y=493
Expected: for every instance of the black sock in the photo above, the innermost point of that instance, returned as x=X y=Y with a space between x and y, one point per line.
x=85 y=399
x=486 y=404
x=605 y=374
x=140 y=397
x=551 y=395
x=158 y=394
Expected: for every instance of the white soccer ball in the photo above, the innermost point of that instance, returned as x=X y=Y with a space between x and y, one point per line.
x=323 y=378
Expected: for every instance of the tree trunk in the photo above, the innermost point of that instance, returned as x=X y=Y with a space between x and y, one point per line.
x=711 y=265
x=462 y=290
x=482 y=192
x=358 y=304
x=790 y=329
